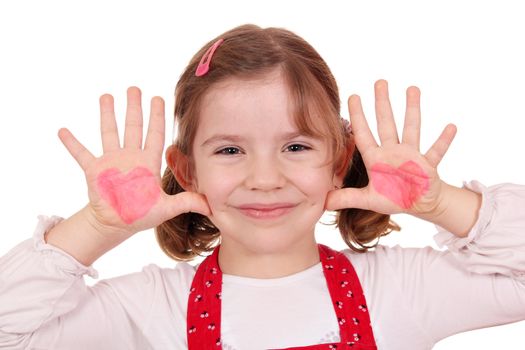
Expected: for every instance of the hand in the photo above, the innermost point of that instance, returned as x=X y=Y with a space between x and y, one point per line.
x=124 y=184
x=401 y=179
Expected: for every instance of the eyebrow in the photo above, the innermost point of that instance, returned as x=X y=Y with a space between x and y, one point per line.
x=238 y=138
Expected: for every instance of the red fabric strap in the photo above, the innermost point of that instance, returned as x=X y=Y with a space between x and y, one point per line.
x=204 y=304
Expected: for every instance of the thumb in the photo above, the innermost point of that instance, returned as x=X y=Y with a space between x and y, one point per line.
x=347 y=198
x=186 y=202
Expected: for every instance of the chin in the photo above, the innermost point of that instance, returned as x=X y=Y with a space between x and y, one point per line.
x=258 y=240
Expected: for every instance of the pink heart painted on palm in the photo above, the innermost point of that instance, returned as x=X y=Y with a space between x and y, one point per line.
x=403 y=185
x=131 y=195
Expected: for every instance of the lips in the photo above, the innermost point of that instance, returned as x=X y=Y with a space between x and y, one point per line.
x=266 y=211
x=260 y=206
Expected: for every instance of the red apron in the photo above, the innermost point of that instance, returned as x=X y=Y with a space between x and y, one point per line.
x=355 y=330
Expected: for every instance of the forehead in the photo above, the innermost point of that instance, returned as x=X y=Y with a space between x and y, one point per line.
x=258 y=101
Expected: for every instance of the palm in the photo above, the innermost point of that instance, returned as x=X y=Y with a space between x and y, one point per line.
x=109 y=180
x=124 y=183
x=402 y=179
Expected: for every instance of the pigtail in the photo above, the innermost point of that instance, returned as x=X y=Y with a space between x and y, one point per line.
x=187 y=235
x=358 y=226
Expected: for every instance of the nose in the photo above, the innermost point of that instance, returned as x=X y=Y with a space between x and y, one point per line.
x=265 y=173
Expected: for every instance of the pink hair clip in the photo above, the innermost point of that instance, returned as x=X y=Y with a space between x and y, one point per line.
x=204 y=64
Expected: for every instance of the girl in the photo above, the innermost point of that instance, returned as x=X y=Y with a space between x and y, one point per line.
x=260 y=153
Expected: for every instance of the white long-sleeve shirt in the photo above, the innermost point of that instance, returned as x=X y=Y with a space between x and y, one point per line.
x=416 y=296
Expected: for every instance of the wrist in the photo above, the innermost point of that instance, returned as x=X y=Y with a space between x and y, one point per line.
x=103 y=232
x=439 y=208
x=456 y=210
x=84 y=238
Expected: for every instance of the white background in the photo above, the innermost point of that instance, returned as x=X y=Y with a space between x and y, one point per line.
x=58 y=57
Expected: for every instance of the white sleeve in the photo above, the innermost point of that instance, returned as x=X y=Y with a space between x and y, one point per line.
x=479 y=281
x=496 y=243
x=45 y=304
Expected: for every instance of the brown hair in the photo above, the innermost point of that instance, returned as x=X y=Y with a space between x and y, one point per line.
x=249 y=52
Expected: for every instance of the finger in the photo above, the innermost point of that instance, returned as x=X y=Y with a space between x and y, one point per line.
x=363 y=136
x=347 y=198
x=386 y=126
x=412 y=127
x=76 y=149
x=435 y=154
x=186 y=202
x=156 y=127
x=108 y=124
x=133 y=131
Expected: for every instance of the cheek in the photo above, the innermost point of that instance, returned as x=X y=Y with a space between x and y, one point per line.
x=315 y=184
x=215 y=184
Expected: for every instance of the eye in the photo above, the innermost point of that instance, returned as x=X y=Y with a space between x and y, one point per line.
x=228 y=151
x=297 y=147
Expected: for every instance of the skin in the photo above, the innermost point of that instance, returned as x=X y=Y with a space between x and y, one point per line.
x=454 y=209
x=131 y=195
x=101 y=225
x=404 y=185
x=261 y=171
x=263 y=168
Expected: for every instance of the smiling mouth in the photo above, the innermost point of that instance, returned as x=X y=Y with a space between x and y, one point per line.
x=262 y=213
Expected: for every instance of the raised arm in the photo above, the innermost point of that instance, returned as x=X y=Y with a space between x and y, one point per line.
x=123 y=184
x=43 y=298
x=401 y=178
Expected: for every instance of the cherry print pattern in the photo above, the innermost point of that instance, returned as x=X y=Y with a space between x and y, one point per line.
x=204 y=304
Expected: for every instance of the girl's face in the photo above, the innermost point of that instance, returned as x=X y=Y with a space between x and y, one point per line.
x=248 y=152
